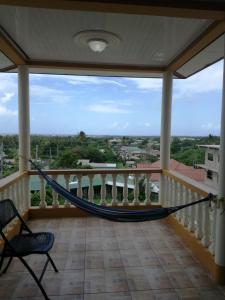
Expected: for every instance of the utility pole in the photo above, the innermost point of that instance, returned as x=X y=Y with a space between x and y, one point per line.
x=36 y=153
x=50 y=153
x=1 y=160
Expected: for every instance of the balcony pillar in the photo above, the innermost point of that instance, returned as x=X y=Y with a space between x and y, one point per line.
x=165 y=129
x=220 y=215
x=24 y=128
x=24 y=117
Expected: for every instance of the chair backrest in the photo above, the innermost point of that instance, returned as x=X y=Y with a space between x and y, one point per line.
x=7 y=212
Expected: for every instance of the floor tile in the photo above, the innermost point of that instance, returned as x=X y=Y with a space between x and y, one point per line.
x=108 y=296
x=99 y=259
x=94 y=260
x=137 y=279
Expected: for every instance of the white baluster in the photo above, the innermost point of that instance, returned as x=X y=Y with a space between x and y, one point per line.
x=206 y=225
x=184 y=210
x=179 y=200
x=172 y=201
x=103 y=189
x=67 y=183
x=168 y=194
x=7 y=193
x=192 y=212
x=21 y=200
x=79 y=186
x=136 y=190
x=17 y=197
x=212 y=230
x=175 y=202
x=199 y=219
x=91 y=189
x=125 y=190
x=42 y=203
x=147 y=189
x=26 y=191
x=114 y=189
x=55 y=202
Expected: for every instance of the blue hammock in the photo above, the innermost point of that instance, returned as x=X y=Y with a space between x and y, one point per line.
x=115 y=214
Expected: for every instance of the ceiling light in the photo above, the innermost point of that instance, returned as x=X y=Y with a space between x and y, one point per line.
x=97 y=45
x=96 y=40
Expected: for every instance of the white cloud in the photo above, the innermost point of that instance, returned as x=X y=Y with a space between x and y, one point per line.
x=114 y=124
x=7 y=97
x=7 y=112
x=45 y=94
x=107 y=108
x=209 y=80
x=126 y=125
x=146 y=124
x=210 y=126
x=81 y=80
x=146 y=84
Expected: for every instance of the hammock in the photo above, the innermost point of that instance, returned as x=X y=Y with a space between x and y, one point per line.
x=115 y=214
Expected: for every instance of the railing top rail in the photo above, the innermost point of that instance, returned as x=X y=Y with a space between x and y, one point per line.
x=189 y=183
x=84 y=172
x=11 y=179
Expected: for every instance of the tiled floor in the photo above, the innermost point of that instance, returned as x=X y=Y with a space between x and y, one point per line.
x=101 y=260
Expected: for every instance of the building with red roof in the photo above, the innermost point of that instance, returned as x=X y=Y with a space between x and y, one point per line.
x=191 y=172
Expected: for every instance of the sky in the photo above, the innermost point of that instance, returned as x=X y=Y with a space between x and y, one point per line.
x=61 y=104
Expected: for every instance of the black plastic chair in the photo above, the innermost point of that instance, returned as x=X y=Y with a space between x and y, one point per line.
x=23 y=244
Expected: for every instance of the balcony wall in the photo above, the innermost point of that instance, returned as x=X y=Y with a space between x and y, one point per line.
x=197 y=221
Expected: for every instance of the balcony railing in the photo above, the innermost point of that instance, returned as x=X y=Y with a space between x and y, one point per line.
x=106 y=187
x=124 y=190
x=197 y=219
x=14 y=187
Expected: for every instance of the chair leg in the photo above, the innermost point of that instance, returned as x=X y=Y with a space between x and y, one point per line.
x=8 y=264
x=52 y=263
x=35 y=278
x=1 y=261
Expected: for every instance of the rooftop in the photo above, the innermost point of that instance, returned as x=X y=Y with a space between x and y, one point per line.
x=193 y=173
x=217 y=147
x=98 y=259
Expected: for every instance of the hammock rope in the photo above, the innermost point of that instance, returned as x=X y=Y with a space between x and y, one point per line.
x=115 y=214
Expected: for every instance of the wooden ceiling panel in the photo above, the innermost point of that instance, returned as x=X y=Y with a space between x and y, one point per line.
x=4 y=62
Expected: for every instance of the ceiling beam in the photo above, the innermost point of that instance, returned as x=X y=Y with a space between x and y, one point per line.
x=9 y=50
x=169 y=8
x=213 y=32
x=95 y=67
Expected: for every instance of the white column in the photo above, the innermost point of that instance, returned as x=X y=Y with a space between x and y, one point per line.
x=220 y=216
x=24 y=117
x=165 y=128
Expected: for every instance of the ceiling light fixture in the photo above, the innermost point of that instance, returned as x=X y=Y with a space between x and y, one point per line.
x=97 y=45
x=96 y=40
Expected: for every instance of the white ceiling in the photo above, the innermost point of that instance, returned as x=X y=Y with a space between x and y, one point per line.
x=212 y=53
x=45 y=34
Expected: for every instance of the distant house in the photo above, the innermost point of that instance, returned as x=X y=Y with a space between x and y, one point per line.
x=86 y=162
x=132 y=153
x=130 y=164
x=115 y=141
x=191 y=172
x=211 y=165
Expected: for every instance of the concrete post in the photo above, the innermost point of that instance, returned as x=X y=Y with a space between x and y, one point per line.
x=220 y=216
x=24 y=117
x=165 y=129
x=24 y=128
